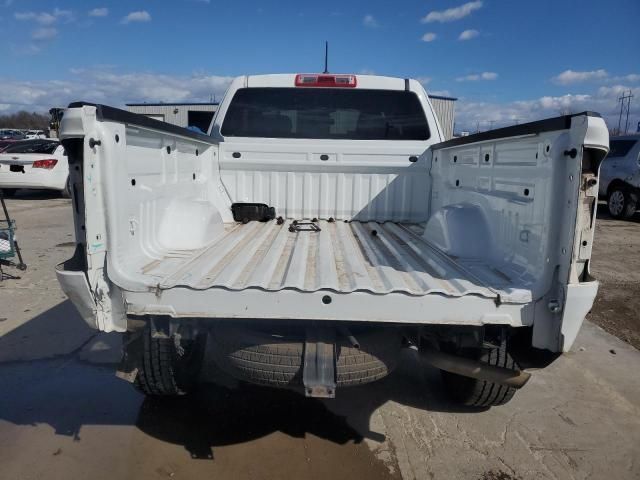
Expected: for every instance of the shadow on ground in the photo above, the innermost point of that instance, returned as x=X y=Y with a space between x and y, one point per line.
x=28 y=194
x=56 y=371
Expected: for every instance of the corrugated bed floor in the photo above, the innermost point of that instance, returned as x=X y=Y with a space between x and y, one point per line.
x=343 y=257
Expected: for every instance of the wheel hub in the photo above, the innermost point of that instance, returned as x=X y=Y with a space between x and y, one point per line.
x=616 y=202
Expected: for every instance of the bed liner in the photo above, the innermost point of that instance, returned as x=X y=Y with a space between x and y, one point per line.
x=343 y=257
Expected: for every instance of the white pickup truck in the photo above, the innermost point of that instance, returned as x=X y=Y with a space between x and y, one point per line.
x=321 y=226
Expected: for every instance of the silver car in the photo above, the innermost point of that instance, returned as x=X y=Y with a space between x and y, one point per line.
x=620 y=176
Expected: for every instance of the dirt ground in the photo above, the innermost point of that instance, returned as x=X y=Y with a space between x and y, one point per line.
x=615 y=262
x=64 y=415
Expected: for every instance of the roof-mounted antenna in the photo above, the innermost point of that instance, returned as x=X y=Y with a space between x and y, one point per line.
x=326 y=57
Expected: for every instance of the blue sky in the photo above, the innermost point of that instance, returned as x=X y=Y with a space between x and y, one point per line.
x=506 y=61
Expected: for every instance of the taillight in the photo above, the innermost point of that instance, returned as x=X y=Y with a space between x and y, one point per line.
x=318 y=80
x=47 y=164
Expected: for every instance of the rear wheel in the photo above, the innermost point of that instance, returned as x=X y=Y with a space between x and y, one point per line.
x=162 y=371
x=621 y=202
x=66 y=193
x=480 y=393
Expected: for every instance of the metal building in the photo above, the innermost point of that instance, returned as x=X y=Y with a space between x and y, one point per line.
x=181 y=114
x=444 y=108
x=200 y=114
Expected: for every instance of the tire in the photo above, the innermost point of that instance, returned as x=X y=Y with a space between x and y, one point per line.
x=276 y=359
x=621 y=203
x=472 y=392
x=162 y=372
x=9 y=192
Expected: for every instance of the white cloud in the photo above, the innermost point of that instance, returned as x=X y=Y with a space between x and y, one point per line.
x=66 y=15
x=601 y=76
x=631 y=78
x=141 y=16
x=468 y=34
x=603 y=101
x=370 y=21
x=613 y=91
x=570 y=76
x=429 y=37
x=45 y=18
x=452 y=14
x=99 y=12
x=440 y=93
x=104 y=85
x=44 y=33
x=424 y=80
x=478 y=76
x=25 y=49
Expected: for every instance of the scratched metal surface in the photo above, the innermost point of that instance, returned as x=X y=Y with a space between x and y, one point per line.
x=343 y=257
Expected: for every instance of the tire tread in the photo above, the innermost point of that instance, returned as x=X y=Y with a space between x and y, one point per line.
x=262 y=358
x=472 y=392
x=158 y=374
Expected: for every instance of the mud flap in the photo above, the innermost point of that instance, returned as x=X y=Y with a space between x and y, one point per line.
x=74 y=284
x=132 y=351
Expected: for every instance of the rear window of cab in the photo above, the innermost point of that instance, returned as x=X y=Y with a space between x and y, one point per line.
x=326 y=113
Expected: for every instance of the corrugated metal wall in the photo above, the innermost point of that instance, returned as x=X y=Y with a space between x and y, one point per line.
x=172 y=113
x=445 y=111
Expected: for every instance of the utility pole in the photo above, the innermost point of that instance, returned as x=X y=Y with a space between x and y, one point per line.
x=621 y=99
x=491 y=122
x=626 y=125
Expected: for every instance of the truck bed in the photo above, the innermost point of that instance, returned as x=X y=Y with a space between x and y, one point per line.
x=343 y=257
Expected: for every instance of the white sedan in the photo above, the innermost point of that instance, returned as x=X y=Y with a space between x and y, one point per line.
x=34 y=164
x=35 y=134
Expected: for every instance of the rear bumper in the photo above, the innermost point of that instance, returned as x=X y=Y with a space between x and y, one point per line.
x=45 y=179
x=432 y=309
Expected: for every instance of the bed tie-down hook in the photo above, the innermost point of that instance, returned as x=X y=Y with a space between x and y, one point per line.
x=297 y=226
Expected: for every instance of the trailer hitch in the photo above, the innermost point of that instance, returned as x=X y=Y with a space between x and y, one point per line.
x=319 y=368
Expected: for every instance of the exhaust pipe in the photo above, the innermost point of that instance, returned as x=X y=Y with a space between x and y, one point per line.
x=474 y=368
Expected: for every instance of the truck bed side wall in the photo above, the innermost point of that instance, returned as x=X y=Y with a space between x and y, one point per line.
x=149 y=190
x=528 y=203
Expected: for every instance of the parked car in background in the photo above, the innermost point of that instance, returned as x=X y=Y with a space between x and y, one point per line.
x=35 y=164
x=7 y=134
x=35 y=134
x=5 y=143
x=620 y=176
